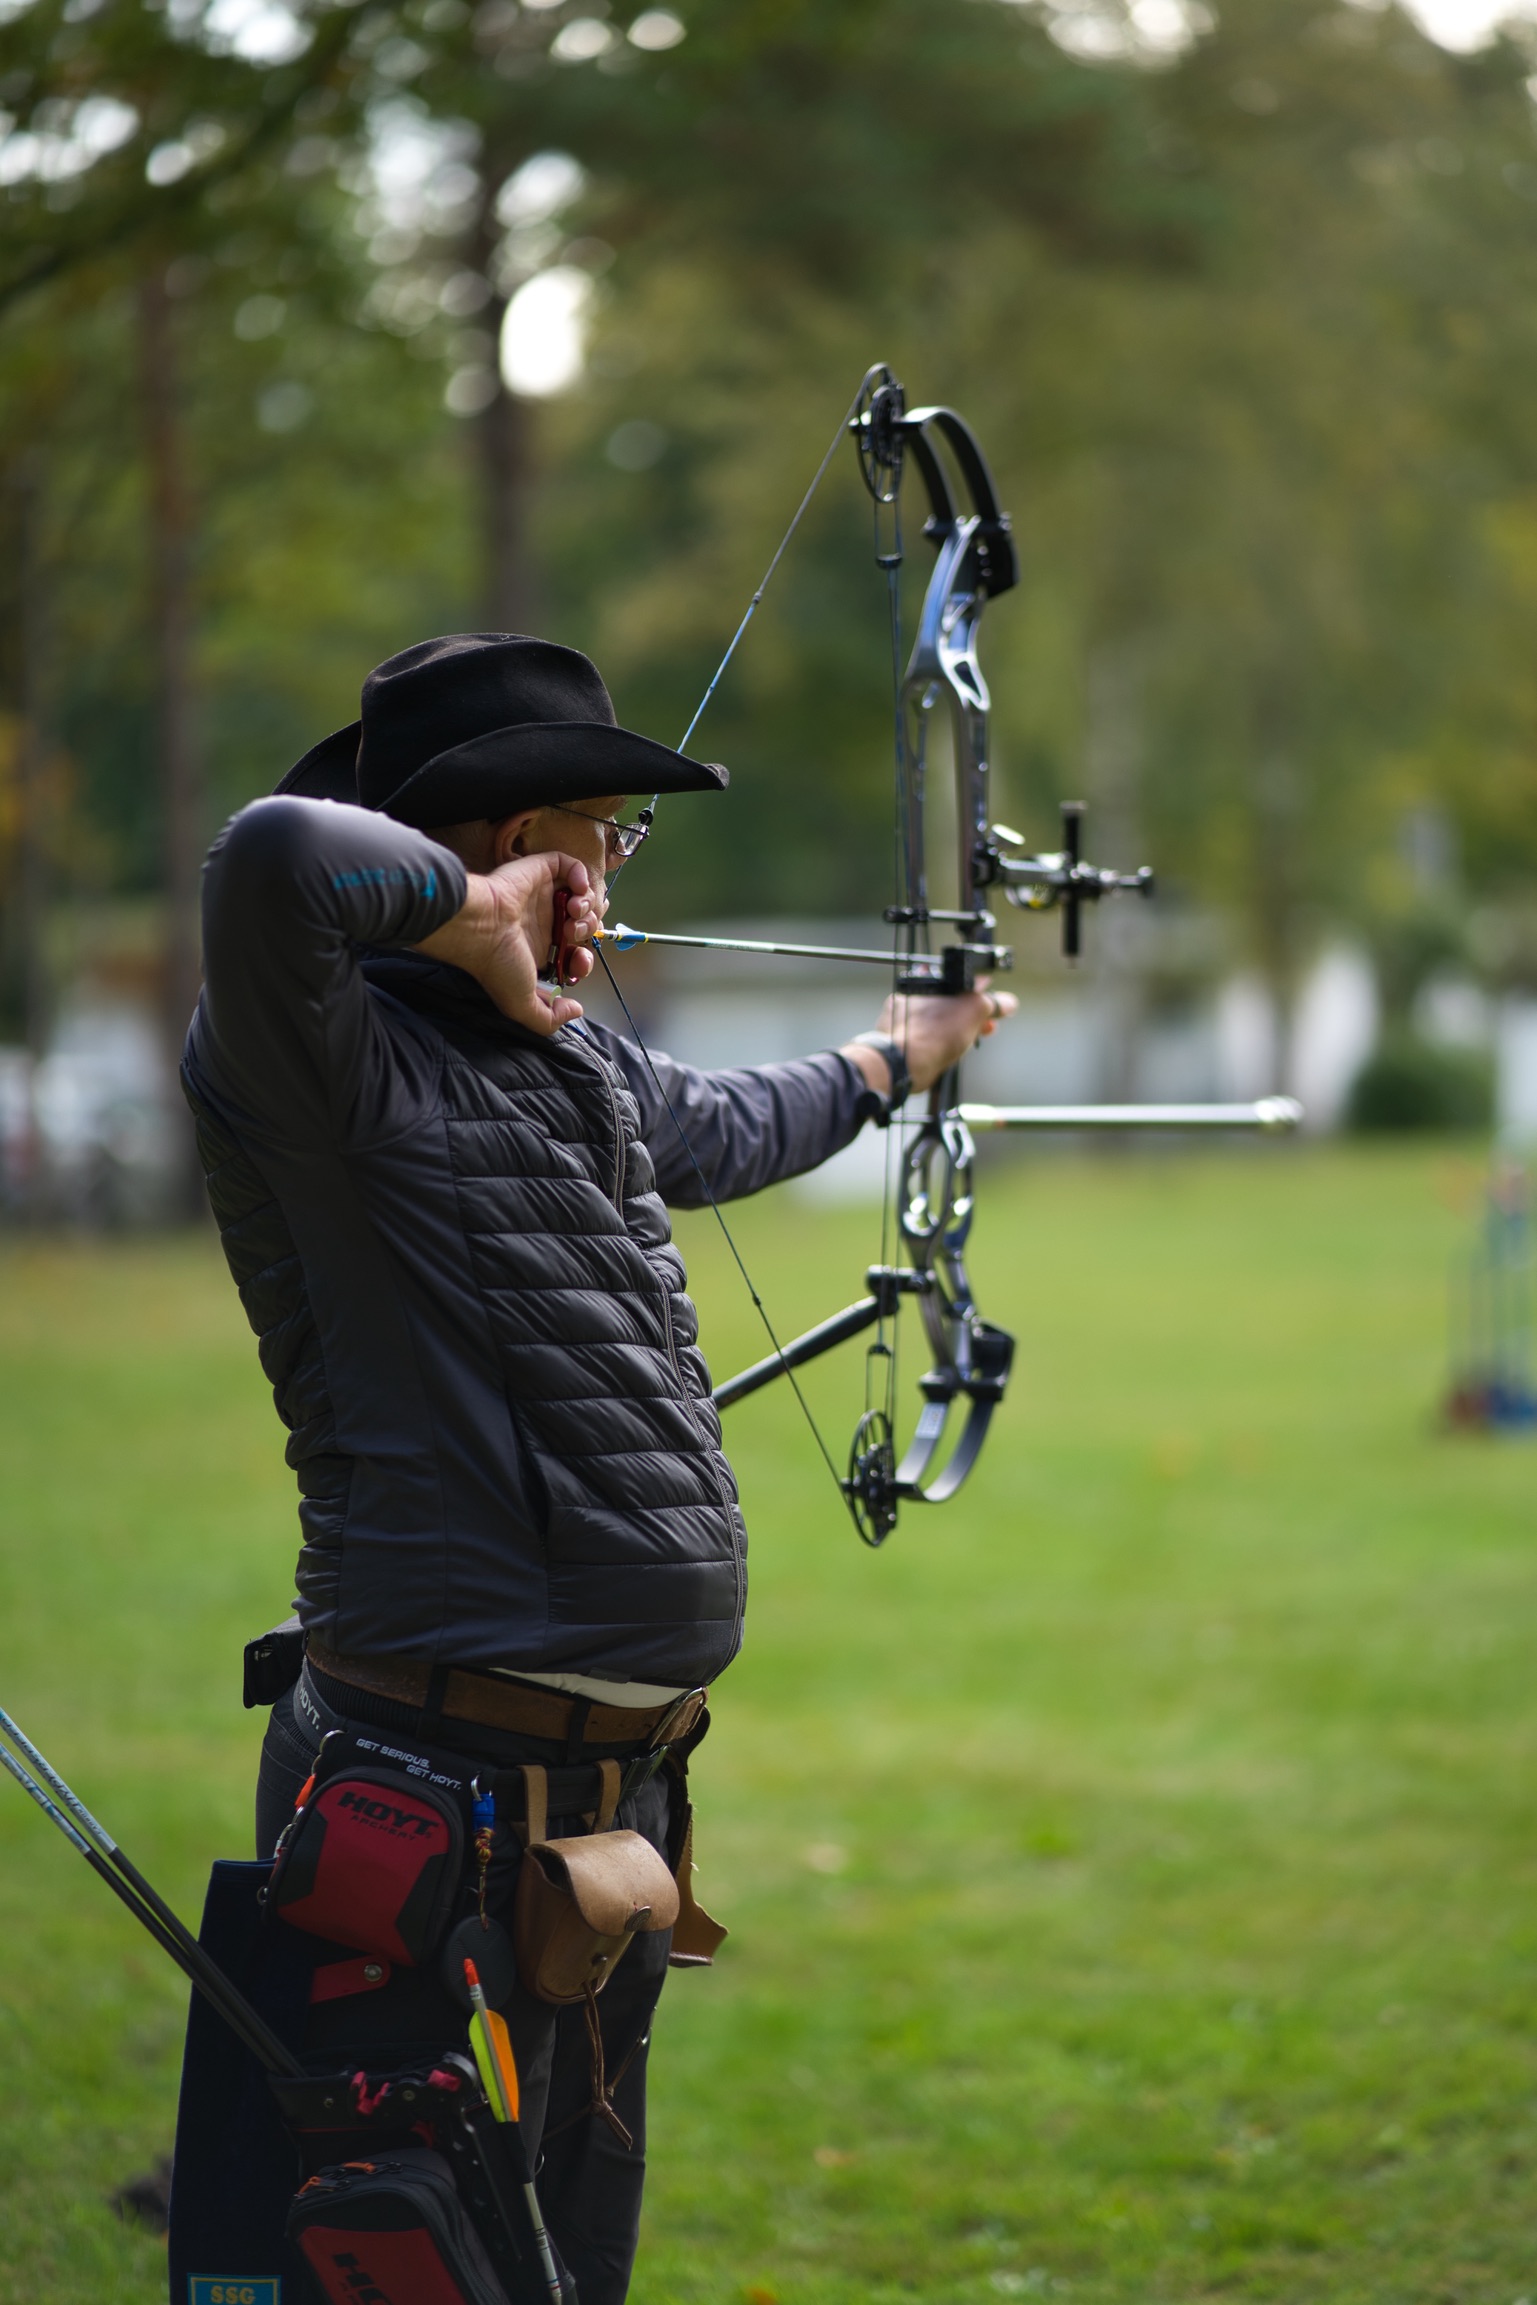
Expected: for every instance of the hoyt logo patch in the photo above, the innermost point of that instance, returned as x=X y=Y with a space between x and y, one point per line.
x=220 y=2289
x=414 y=1824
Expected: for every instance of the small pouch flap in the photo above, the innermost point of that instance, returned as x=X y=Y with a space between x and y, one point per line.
x=616 y=1881
x=579 y=1904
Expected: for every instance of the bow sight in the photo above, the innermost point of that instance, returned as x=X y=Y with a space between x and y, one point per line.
x=975 y=562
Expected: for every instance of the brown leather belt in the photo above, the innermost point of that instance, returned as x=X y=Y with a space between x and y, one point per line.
x=516 y=1706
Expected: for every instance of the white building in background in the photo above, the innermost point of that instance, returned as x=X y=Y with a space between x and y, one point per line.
x=1515 y=1046
x=86 y=1133
x=1333 y=1033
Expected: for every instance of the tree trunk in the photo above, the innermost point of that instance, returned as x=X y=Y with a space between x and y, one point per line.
x=1276 y=916
x=503 y=451
x=181 y=775
x=504 y=457
x=31 y=825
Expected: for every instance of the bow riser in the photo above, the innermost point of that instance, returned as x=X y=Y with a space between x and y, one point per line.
x=944 y=669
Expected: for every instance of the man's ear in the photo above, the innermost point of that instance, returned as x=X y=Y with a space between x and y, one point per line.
x=510 y=834
x=470 y=841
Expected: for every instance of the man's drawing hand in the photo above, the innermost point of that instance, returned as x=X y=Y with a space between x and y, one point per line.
x=507 y=931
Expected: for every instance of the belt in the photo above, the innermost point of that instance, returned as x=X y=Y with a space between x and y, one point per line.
x=567 y=1792
x=519 y=1707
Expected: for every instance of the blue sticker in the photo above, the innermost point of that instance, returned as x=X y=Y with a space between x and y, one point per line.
x=231 y=2289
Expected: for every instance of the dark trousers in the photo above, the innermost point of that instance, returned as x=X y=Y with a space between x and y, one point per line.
x=589 y=2182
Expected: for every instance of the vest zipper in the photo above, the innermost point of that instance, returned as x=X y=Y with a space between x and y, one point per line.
x=617 y=1196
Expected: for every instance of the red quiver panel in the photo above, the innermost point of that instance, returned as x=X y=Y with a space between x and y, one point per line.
x=373 y=1860
x=392 y=2230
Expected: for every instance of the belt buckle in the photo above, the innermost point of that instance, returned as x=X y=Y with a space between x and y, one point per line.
x=669 y=1725
x=645 y=1766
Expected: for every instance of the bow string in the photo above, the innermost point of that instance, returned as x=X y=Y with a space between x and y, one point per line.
x=928 y=1200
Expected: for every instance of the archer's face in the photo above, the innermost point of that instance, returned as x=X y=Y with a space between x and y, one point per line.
x=574 y=829
x=579 y=831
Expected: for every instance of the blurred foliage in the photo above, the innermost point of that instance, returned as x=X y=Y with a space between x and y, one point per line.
x=1412 y=948
x=1241 y=305
x=1409 y=1082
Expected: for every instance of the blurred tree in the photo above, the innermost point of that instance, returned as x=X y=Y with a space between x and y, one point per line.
x=1240 y=305
x=25 y=837
x=794 y=156
x=644 y=128
x=124 y=129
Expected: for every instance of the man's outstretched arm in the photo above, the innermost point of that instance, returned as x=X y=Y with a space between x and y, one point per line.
x=755 y=1125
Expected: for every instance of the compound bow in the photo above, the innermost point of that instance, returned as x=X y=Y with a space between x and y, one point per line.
x=932 y=1177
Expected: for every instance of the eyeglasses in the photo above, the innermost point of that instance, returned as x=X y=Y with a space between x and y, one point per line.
x=620 y=841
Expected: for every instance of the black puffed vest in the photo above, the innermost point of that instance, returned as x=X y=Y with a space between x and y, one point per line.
x=479 y=1337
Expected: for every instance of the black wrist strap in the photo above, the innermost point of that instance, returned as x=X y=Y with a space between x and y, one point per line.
x=896 y=1065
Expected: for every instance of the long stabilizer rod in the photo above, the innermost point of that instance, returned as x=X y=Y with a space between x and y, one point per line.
x=1275 y=1114
x=171 y=1934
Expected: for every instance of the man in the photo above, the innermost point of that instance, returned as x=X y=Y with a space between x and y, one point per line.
x=441 y=1193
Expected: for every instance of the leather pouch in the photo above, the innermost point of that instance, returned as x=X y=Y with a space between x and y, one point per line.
x=581 y=1901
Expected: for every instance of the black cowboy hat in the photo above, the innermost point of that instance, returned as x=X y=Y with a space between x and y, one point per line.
x=483 y=724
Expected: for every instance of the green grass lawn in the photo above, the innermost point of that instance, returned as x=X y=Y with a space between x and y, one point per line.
x=1131 y=1869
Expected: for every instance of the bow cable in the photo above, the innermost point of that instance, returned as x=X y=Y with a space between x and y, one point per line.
x=647 y=817
x=726 y=1234
x=833 y=447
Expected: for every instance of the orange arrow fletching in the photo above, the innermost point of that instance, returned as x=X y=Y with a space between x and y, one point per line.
x=495 y=2041
x=506 y=2065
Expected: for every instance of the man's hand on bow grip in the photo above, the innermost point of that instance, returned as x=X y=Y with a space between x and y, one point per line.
x=934 y=1031
x=504 y=932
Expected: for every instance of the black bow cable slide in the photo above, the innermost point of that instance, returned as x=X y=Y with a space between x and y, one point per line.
x=93 y=1842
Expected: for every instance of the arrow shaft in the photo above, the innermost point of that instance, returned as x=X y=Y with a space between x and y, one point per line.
x=628 y=939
